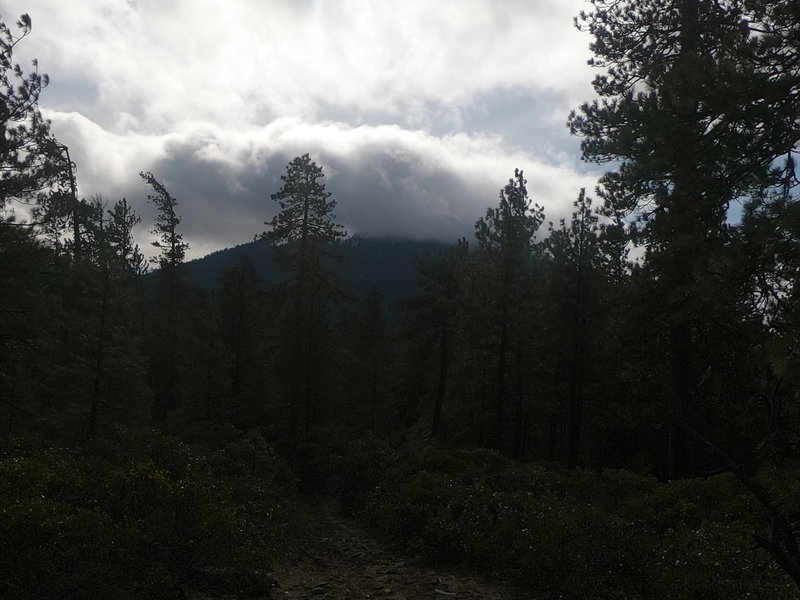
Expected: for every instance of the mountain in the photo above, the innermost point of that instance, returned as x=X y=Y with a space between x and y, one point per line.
x=387 y=264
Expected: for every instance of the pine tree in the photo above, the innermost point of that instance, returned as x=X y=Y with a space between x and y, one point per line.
x=699 y=102
x=31 y=310
x=169 y=278
x=366 y=366
x=111 y=304
x=432 y=316
x=121 y=221
x=31 y=159
x=505 y=246
x=696 y=107
x=169 y=241
x=241 y=328
x=304 y=233
x=305 y=225
x=576 y=258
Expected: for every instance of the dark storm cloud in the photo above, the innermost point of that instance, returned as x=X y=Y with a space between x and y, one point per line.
x=387 y=181
x=381 y=190
x=391 y=193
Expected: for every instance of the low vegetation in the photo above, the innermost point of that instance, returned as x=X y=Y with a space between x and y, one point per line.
x=139 y=515
x=563 y=533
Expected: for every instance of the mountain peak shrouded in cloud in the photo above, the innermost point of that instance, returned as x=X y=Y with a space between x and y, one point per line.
x=419 y=112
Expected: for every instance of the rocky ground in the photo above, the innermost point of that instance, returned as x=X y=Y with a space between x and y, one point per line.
x=339 y=560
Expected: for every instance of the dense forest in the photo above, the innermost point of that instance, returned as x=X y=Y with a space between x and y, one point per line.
x=601 y=407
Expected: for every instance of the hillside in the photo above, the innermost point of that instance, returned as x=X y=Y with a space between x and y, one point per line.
x=387 y=264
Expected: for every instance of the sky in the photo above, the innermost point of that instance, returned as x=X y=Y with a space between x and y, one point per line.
x=418 y=111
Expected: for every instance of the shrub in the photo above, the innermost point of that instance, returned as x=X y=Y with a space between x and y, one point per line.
x=140 y=517
x=567 y=534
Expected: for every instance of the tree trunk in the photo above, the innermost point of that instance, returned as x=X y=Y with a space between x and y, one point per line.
x=500 y=384
x=99 y=360
x=442 y=385
x=691 y=220
x=519 y=407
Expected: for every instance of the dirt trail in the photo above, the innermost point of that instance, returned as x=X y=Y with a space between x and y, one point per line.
x=339 y=560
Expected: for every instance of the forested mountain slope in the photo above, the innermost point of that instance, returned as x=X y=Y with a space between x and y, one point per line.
x=385 y=264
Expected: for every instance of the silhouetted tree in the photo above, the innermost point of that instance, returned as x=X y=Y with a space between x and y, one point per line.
x=119 y=230
x=31 y=160
x=576 y=259
x=699 y=102
x=169 y=278
x=169 y=241
x=367 y=360
x=505 y=243
x=304 y=232
x=434 y=312
x=31 y=308
x=696 y=107
x=112 y=307
x=241 y=326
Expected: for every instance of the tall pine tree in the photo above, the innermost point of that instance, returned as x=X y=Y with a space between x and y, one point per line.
x=304 y=233
x=696 y=111
x=169 y=280
x=505 y=246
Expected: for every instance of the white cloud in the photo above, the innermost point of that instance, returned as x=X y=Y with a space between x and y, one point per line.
x=419 y=110
x=238 y=62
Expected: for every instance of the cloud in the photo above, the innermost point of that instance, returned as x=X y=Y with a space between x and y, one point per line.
x=249 y=62
x=419 y=111
x=388 y=181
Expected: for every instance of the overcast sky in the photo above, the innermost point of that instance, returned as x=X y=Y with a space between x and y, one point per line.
x=418 y=110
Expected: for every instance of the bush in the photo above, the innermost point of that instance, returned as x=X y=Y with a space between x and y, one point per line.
x=142 y=516
x=356 y=469
x=53 y=550
x=566 y=534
